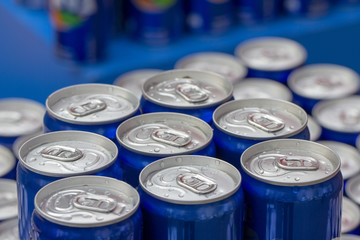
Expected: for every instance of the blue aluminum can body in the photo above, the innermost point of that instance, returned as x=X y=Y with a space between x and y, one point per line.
x=311 y=8
x=349 y=138
x=256 y=11
x=306 y=103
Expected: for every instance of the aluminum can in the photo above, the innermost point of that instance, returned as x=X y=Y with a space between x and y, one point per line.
x=352 y=189
x=49 y=157
x=339 y=119
x=261 y=88
x=250 y=12
x=221 y=63
x=287 y=181
x=193 y=198
x=134 y=80
x=315 y=82
x=19 y=117
x=98 y=108
x=314 y=129
x=242 y=123
x=155 y=22
x=271 y=57
x=310 y=8
x=9 y=230
x=87 y=207
x=191 y=92
x=148 y=137
x=8 y=200
x=350 y=217
x=7 y=163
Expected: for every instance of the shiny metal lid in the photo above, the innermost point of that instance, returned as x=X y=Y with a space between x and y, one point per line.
x=342 y=115
x=350 y=215
x=20 y=117
x=9 y=230
x=290 y=162
x=68 y=153
x=352 y=189
x=314 y=129
x=190 y=179
x=7 y=161
x=21 y=140
x=271 y=53
x=349 y=157
x=260 y=118
x=91 y=104
x=224 y=64
x=87 y=201
x=324 y=81
x=164 y=134
x=187 y=89
x=348 y=237
x=8 y=199
x=261 y=88
x=134 y=80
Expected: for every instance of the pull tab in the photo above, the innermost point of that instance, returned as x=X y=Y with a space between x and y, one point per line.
x=196 y=183
x=350 y=116
x=62 y=153
x=298 y=163
x=191 y=92
x=93 y=202
x=171 y=137
x=266 y=122
x=87 y=107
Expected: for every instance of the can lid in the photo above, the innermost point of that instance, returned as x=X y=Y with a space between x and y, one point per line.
x=190 y=179
x=20 y=117
x=134 y=80
x=290 y=162
x=7 y=161
x=86 y=201
x=187 y=89
x=324 y=81
x=349 y=157
x=224 y=64
x=92 y=104
x=348 y=237
x=68 y=153
x=164 y=134
x=261 y=88
x=21 y=140
x=314 y=129
x=8 y=199
x=260 y=118
x=350 y=215
x=271 y=53
x=9 y=230
x=352 y=189
x=342 y=115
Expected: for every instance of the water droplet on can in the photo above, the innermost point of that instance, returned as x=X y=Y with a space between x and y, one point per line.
x=297 y=179
x=181 y=195
x=41 y=163
x=217 y=162
x=166 y=194
x=32 y=159
x=99 y=218
x=157 y=150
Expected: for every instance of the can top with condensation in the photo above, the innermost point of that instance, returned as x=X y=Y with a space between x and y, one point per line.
x=324 y=81
x=190 y=179
x=222 y=63
x=352 y=189
x=314 y=129
x=271 y=53
x=68 y=153
x=7 y=161
x=92 y=104
x=342 y=115
x=9 y=230
x=20 y=117
x=260 y=119
x=187 y=89
x=349 y=157
x=350 y=215
x=21 y=140
x=8 y=199
x=290 y=162
x=164 y=134
x=261 y=88
x=87 y=201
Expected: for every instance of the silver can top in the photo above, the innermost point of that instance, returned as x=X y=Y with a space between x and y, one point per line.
x=342 y=115
x=352 y=189
x=8 y=199
x=86 y=201
x=190 y=179
x=261 y=88
x=164 y=134
x=222 y=63
x=271 y=53
x=20 y=117
x=348 y=237
x=68 y=153
x=91 y=104
x=21 y=140
x=9 y=230
x=134 y=80
x=187 y=89
x=260 y=118
x=290 y=162
x=324 y=81
x=349 y=157
x=7 y=161
x=350 y=215
x=314 y=129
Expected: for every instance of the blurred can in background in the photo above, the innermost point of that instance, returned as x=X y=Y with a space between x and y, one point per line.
x=350 y=217
x=8 y=201
x=257 y=11
x=7 y=163
x=9 y=230
x=310 y=8
x=314 y=129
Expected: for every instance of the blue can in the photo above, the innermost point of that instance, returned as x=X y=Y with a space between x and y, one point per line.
x=98 y=108
x=257 y=11
x=148 y=137
x=192 y=198
x=87 y=207
x=9 y=230
x=49 y=157
x=293 y=191
x=350 y=217
x=271 y=57
x=8 y=201
x=242 y=123
x=191 y=92
x=7 y=163
x=309 y=8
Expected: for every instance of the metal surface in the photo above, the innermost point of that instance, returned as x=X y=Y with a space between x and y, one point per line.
x=8 y=200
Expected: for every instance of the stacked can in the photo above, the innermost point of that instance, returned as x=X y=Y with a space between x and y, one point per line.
x=8 y=201
x=9 y=230
x=350 y=217
x=314 y=129
x=257 y=11
x=310 y=8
